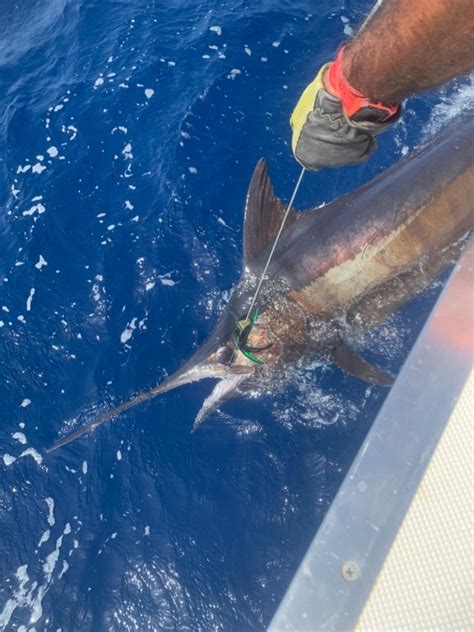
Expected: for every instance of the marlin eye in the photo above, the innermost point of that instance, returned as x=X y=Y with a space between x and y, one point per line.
x=224 y=355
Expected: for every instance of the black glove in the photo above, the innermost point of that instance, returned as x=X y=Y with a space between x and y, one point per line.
x=323 y=134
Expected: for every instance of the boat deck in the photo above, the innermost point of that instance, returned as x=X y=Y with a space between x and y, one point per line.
x=427 y=580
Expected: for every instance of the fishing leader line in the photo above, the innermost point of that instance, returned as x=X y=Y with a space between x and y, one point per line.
x=275 y=243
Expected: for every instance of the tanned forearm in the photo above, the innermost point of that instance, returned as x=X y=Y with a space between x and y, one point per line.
x=411 y=45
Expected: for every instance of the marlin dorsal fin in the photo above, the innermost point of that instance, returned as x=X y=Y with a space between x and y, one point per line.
x=263 y=213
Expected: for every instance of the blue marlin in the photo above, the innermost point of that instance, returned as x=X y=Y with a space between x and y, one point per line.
x=347 y=266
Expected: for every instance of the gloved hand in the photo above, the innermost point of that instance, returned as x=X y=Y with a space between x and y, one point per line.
x=328 y=134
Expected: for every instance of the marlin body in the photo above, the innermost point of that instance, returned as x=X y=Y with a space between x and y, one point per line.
x=347 y=266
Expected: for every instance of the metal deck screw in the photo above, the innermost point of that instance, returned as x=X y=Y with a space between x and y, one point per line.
x=350 y=571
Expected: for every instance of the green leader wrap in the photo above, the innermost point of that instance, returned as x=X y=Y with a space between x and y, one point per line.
x=241 y=335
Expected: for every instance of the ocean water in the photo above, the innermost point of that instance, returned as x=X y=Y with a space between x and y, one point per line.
x=128 y=134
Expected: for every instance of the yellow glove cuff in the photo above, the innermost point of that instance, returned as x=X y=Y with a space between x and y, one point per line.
x=305 y=106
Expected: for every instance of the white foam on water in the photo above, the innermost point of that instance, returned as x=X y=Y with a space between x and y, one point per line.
x=98 y=293
x=64 y=569
x=234 y=73
x=149 y=92
x=127 y=333
x=35 y=455
x=119 y=455
x=38 y=168
x=455 y=101
x=48 y=569
x=19 y=597
x=216 y=29
x=52 y=151
x=314 y=407
x=84 y=467
x=52 y=558
x=72 y=131
x=36 y=208
x=165 y=280
x=29 y=594
x=44 y=538
x=30 y=299
x=348 y=30
x=20 y=437
x=127 y=151
x=41 y=263
x=8 y=459
x=221 y=221
x=50 y=502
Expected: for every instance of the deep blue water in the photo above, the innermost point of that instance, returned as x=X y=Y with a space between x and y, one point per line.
x=128 y=134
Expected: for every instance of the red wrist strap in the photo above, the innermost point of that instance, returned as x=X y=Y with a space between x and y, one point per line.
x=352 y=100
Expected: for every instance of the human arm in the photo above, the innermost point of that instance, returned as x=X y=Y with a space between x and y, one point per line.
x=424 y=44
x=406 y=47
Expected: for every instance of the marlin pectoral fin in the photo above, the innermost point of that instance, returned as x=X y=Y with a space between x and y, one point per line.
x=223 y=391
x=353 y=364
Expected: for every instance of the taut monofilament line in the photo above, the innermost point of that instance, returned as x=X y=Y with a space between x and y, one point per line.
x=275 y=243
